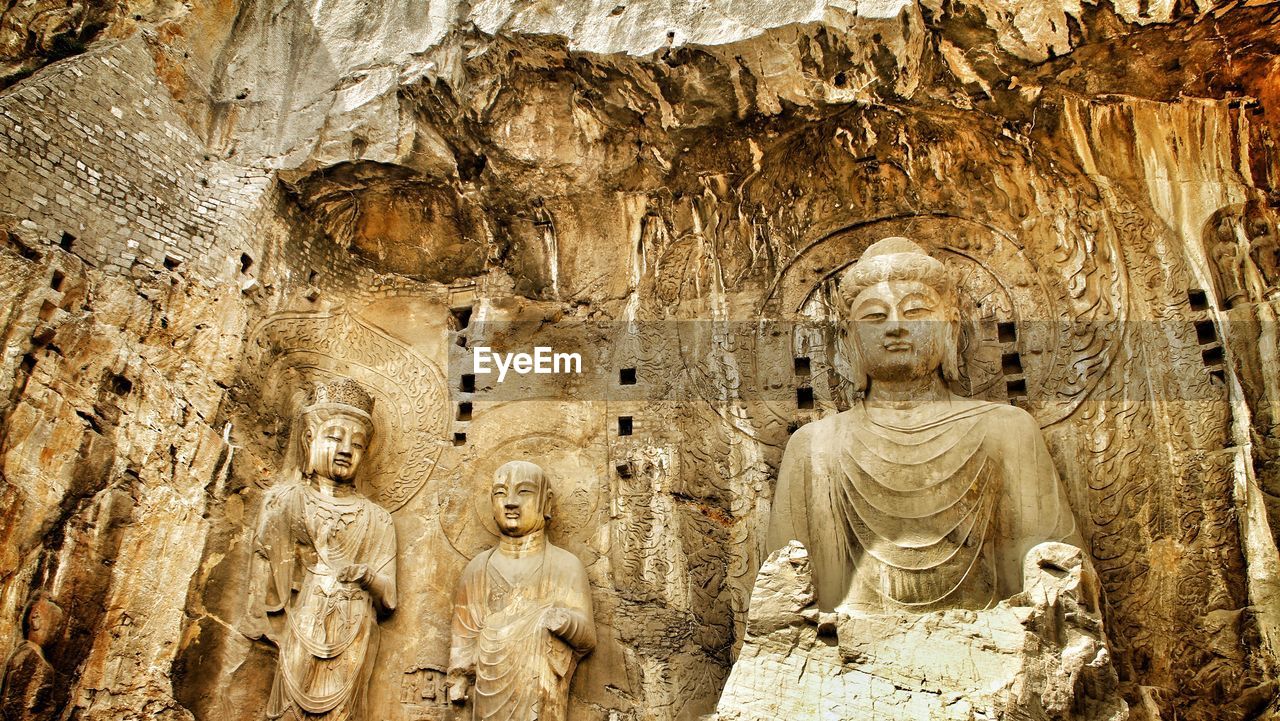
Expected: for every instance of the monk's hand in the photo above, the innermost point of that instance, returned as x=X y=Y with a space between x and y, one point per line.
x=356 y=573
x=556 y=620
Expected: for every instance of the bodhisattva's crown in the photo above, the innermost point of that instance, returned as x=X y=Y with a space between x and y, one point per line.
x=347 y=392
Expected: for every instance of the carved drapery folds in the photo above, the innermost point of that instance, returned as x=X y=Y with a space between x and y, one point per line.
x=522 y=613
x=919 y=501
x=324 y=566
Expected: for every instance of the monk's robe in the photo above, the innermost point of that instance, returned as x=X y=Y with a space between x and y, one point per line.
x=521 y=669
x=330 y=636
x=934 y=515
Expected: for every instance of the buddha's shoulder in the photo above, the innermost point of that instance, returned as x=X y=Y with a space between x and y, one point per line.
x=995 y=411
x=1003 y=415
x=805 y=436
x=281 y=492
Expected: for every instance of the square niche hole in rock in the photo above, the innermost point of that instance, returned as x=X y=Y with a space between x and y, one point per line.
x=1007 y=332
x=804 y=398
x=802 y=366
x=1205 y=332
x=624 y=425
x=461 y=317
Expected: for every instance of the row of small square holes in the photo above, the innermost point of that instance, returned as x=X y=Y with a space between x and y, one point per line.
x=462 y=319
x=1211 y=354
x=626 y=377
x=1015 y=384
x=1010 y=367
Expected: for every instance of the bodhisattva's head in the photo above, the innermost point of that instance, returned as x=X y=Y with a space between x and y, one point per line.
x=903 y=317
x=521 y=497
x=339 y=428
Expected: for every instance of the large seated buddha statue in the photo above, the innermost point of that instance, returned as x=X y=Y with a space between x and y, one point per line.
x=915 y=498
x=929 y=532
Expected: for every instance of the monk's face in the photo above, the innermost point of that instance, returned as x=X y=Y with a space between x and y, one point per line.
x=338 y=447
x=517 y=505
x=900 y=329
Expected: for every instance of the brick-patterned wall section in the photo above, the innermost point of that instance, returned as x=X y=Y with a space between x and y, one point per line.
x=94 y=147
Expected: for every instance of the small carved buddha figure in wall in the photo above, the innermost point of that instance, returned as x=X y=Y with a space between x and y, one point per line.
x=26 y=693
x=915 y=499
x=324 y=565
x=522 y=613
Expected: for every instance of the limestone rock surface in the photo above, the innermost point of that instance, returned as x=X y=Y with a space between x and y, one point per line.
x=1041 y=655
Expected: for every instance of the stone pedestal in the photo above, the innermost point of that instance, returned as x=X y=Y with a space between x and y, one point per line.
x=1040 y=655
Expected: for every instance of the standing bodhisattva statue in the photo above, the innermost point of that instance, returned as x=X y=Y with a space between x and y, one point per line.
x=522 y=613
x=325 y=561
x=915 y=499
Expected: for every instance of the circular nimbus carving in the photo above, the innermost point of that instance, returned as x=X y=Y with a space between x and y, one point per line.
x=298 y=350
x=1038 y=324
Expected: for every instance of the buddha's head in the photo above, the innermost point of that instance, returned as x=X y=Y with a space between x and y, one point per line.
x=521 y=497
x=339 y=428
x=44 y=618
x=902 y=313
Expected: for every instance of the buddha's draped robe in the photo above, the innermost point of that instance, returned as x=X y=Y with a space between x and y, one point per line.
x=522 y=671
x=938 y=514
x=330 y=638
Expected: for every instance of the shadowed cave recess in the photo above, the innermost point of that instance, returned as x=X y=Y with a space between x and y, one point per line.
x=207 y=208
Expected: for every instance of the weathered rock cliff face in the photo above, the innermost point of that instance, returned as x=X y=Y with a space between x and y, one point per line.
x=212 y=205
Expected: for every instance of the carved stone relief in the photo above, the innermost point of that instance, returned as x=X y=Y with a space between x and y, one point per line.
x=917 y=500
x=294 y=349
x=324 y=564
x=522 y=615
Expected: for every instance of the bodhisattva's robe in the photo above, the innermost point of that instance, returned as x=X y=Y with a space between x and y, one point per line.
x=935 y=515
x=522 y=670
x=330 y=628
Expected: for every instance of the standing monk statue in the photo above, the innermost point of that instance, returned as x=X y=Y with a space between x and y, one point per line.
x=325 y=565
x=522 y=612
x=915 y=499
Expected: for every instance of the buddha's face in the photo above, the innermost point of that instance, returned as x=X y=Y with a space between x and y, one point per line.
x=338 y=447
x=517 y=506
x=900 y=329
